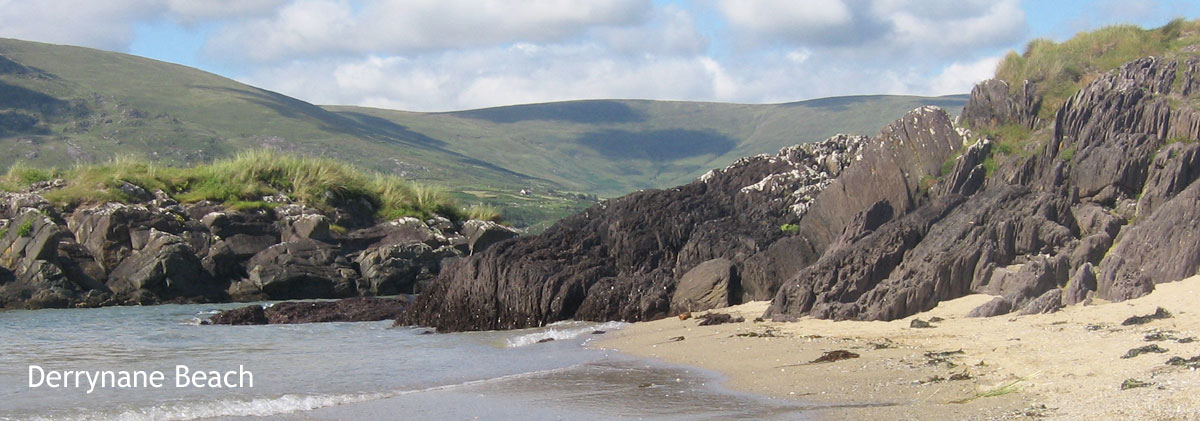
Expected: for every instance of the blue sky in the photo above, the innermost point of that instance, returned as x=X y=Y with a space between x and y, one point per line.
x=434 y=55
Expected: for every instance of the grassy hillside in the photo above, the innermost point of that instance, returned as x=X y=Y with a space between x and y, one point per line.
x=612 y=147
x=61 y=106
x=1059 y=70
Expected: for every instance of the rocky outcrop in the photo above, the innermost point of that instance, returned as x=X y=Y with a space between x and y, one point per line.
x=625 y=259
x=158 y=250
x=360 y=309
x=994 y=102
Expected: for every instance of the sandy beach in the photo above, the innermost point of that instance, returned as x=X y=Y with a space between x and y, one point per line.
x=1065 y=365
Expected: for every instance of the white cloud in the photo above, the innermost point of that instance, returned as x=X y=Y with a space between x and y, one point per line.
x=193 y=11
x=330 y=27
x=100 y=24
x=958 y=78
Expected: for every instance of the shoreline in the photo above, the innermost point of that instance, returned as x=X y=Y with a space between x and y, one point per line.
x=1064 y=365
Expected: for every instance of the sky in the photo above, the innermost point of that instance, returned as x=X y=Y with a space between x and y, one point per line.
x=441 y=55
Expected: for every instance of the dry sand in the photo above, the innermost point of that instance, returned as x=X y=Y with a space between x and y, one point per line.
x=1065 y=365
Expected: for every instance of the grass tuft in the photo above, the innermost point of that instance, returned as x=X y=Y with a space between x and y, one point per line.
x=1001 y=390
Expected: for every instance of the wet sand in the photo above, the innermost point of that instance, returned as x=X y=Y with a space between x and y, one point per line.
x=1065 y=365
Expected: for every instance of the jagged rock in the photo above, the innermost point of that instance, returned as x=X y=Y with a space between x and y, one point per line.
x=968 y=174
x=482 y=234
x=998 y=306
x=1048 y=302
x=1081 y=286
x=705 y=287
x=400 y=268
x=833 y=286
x=994 y=103
x=302 y=269
x=1175 y=166
x=167 y=267
x=1156 y=249
x=890 y=169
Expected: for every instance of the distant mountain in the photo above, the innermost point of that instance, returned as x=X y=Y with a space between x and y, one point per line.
x=63 y=105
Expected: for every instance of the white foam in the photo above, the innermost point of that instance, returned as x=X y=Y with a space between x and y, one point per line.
x=560 y=331
x=286 y=404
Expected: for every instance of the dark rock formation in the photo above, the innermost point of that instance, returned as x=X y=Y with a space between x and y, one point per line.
x=622 y=260
x=249 y=315
x=157 y=251
x=359 y=309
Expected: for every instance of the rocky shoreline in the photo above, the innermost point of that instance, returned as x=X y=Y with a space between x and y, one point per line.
x=157 y=250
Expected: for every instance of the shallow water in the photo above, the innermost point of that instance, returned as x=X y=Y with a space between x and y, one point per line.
x=343 y=370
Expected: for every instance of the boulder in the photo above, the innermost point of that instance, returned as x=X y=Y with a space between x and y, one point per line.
x=167 y=267
x=705 y=287
x=302 y=269
x=482 y=234
x=998 y=306
x=308 y=226
x=1048 y=302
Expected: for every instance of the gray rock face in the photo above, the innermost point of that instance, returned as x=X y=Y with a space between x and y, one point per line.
x=302 y=269
x=704 y=287
x=166 y=267
x=994 y=103
x=1161 y=248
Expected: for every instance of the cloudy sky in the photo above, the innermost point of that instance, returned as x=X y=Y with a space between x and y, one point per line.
x=435 y=55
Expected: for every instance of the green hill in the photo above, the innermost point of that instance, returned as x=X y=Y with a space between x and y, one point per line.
x=612 y=147
x=61 y=106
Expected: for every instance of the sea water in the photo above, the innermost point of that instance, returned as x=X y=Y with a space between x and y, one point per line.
x=340 y=371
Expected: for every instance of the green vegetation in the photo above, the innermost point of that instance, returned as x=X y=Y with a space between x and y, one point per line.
x=789 y=228
x=25 y=228
x=242 y=181
x=1067 y=154
x=1061 y=69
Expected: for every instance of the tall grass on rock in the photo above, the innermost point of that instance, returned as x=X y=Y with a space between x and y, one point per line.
x=1059 y=70
x=241 y=182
